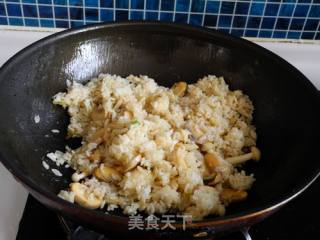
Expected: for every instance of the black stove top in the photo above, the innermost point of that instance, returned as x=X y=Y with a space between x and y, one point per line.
x=297 y=220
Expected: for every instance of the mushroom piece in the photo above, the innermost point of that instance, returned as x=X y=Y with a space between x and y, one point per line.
x=179 y=88
x=211 y=160
x=229 y=195
x=98 y=174
x=77 y=176
x=132 y=164
x=98 y=136
x=83 y=197
x=107 y=174
x=254 y=154
x=97 y=115
x=95 y=156
x=217 y=179
x=118 y=104
x=209 y=177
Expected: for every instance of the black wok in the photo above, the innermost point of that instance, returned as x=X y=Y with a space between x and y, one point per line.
x=287 y=109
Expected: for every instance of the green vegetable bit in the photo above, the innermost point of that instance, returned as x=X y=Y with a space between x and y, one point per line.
x=135 y=122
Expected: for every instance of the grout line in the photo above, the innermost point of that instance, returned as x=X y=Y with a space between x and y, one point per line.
x=114 y=10
x=275 y=23
x=6 y=11
x=69 y=20
x=84 y=12
x=305 y=21
x=204 y=12
x=233 y=15
x=159 y=10
x=291 y=17
x=262 y=17
x=144 y=9
x=22 y=12
x=129 y=9
x=174 y=10
x=53 y=16
x=38 y=11
x=219 y=14
x=247 y=20
x=99 y=8
x=189 y=12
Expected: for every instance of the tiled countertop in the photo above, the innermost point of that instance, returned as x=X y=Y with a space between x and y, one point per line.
x=305 y=57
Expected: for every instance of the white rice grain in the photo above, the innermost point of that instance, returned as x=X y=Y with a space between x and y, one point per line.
x=37 y=119
x=45 y=165
x=68 y=196
x=52 y=156
x=56 y=172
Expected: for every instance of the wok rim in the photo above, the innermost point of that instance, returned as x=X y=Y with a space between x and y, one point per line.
x=67 y=207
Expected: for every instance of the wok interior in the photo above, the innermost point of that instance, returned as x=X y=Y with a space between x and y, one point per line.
x=285 y=113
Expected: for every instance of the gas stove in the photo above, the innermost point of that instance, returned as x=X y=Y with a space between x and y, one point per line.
x=296 y=220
